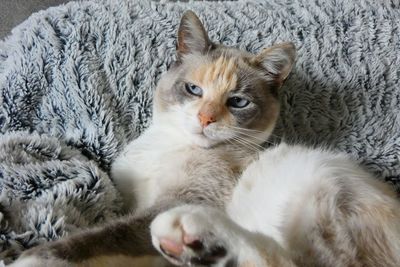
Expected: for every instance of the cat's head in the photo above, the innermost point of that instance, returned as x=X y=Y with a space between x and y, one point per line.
x=216 y=94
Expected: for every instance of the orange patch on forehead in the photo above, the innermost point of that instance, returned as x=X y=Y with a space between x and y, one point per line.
x=218 y=76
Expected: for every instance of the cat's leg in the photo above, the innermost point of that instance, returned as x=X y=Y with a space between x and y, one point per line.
x=117 y=242
x=199 y=235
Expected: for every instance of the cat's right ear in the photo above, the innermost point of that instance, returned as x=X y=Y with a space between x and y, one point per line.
x=277 y=61
x=192 y=37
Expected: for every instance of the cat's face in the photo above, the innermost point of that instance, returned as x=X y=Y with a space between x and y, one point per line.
x=215 y=94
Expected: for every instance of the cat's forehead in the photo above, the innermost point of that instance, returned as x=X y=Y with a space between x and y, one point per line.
x=219 y=73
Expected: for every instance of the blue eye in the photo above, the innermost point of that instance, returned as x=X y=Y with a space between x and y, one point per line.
x=193 y=89
x=238 y=102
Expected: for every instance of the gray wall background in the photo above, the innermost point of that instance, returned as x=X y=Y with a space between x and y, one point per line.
x=13 y=12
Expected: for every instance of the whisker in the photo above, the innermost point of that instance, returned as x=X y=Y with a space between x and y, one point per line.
x=250 y=142
x=244 y=129
x=262 y=140
x=249 y=130
x=255 y=138
x=252 y=130
x=252 y=136
x=239 y=144
x=233 y=144
x=244 y=144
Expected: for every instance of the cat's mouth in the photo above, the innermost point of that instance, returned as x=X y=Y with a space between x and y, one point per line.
x=202 y=139
x=206 y=137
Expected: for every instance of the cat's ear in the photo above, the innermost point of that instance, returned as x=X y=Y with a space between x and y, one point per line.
x=277 y=60
x=192 y=37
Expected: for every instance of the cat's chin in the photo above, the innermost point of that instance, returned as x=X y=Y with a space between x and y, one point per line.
x=203 y=141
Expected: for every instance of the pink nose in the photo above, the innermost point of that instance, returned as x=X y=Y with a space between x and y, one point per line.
x=205 y=119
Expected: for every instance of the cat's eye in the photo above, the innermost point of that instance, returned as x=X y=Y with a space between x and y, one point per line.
x=238 y=102
x=193 y=89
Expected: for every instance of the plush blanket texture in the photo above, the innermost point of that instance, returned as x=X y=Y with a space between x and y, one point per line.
x=76 y=85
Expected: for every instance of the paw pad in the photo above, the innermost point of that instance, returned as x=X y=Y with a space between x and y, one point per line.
x=185 y=238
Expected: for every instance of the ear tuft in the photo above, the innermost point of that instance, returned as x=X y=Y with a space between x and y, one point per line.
x=192 y=37
x=277 y=60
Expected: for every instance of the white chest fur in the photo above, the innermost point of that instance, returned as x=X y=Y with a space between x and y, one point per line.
x=149 y=166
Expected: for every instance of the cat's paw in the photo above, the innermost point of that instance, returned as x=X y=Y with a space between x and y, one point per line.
x=192 y=235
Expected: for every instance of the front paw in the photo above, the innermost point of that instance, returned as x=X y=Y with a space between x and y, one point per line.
x=192 y=235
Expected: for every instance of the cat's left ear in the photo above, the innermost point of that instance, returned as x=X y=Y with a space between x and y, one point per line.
x=192 y=36
x=277 y=60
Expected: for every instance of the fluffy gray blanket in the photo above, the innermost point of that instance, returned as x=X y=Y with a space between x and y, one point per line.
x=76 y=84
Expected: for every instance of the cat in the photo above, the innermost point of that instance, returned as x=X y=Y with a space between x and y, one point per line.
x=292 y=206
x=212 y=110
x=211 y=198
